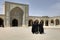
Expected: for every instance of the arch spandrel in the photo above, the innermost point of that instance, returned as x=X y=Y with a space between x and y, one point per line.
x=16 y=11
x=14 y=6
x=17 y=8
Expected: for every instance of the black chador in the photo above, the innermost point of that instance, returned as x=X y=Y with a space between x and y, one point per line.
x=41 y=29
x=35 y=27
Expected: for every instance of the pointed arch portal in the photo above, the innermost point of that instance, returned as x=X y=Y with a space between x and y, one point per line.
x=17 y=13
x=57 y=21
x=52 y=22
x=1 y=22
x=14 y=22
x=30 y=22
x=46 y=23
x=42 y=21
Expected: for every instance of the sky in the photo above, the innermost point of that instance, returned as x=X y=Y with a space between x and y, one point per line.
x=38 y=7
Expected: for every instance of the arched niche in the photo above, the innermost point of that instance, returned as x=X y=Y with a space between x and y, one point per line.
x=17 y=12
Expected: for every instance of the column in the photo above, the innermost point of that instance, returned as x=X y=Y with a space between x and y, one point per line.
x=23 y=19
x=26 y=22
x=48 y=22
x=4 y=23
x=26 y=15
x=7 y=13
x=44 y=22
x=7 y=19
x=54 y=22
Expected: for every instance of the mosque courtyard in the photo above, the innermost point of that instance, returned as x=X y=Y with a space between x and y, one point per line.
x=24 y=33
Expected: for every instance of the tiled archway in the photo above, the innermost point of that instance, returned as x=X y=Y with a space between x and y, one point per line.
x=17 y=13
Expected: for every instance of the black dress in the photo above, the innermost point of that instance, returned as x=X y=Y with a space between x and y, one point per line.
x=41 y=29
x=35 y=28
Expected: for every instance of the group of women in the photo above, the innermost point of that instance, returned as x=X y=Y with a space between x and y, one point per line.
x=37 y=27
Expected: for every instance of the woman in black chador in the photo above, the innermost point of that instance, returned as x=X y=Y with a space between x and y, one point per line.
x=35 y=27
x=41 y=29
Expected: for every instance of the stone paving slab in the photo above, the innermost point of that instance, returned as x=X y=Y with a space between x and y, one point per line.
x=24 y=33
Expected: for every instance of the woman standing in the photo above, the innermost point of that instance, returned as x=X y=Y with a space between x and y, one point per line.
x=35 y=27
x=41 y=29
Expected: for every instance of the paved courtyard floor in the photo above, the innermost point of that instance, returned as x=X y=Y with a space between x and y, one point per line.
x=24 y=33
